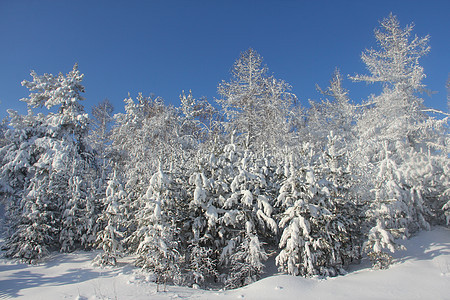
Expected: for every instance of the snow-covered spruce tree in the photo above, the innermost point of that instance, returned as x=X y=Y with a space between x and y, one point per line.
x=446 y=167
x=35 y=229
x=446 y=209
x=110 y=236
x=319 y=221
x=157 y=236
x=3 y=142
x=443 y=178
x=255 y=104
x=248 y=208
x=245 y=215
x=230 y=204
x=29 y=226
x=17 y=155
x=61 y=144
x=426 y=173
x=135 y=150
x=203 y=223
x=425 y=180
x=387 y=214
x=78 y=218
x=202 y=264
x=336 y=169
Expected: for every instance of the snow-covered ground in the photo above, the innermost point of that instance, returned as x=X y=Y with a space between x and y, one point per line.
x=420 y=272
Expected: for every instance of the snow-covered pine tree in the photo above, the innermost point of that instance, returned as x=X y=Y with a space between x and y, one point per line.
x=111 y=223
x=31 y=226
x=36 y=228
x=61 y=142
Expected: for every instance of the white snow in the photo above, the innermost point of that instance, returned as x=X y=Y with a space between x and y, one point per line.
x=420 y=272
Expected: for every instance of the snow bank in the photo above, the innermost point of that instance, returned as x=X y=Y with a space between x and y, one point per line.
x=420 y=272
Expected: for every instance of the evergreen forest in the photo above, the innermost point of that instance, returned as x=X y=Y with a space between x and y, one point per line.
x=206 y=193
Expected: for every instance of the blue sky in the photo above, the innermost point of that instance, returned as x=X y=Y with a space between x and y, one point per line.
x=164 y=47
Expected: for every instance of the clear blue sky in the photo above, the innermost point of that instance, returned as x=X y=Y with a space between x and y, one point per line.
x=164 y=47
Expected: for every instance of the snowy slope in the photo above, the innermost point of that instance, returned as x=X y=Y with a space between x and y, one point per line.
x=421 y=272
